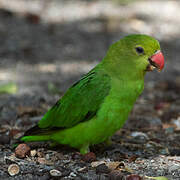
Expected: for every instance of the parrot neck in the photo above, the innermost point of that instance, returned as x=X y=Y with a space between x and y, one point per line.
x=125 y=72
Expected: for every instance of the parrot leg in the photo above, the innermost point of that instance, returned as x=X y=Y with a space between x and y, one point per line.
x=84 y=149
x=108 y=142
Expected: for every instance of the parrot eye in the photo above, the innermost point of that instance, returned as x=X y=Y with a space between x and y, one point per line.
x=139 y=50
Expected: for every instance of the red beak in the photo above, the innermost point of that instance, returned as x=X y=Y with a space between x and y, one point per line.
x=157 y=60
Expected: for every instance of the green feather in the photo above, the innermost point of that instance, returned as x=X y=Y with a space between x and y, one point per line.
x=87 y=95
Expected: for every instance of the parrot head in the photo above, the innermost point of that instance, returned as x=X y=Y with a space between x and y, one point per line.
x=136 y=52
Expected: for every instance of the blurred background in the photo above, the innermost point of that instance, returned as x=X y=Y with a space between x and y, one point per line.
x=46 y=45
x=53 y=42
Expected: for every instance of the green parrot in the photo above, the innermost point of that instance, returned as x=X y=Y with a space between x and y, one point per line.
x=96 y=106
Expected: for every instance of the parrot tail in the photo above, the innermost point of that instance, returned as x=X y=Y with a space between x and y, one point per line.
x=35 y=138
x=38 y=134
x=35 y=131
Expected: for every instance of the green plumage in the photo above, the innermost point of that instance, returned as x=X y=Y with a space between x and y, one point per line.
x=95 y=107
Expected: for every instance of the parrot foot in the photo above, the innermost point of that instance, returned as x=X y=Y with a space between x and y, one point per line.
x=84 y=149
x=53 y=144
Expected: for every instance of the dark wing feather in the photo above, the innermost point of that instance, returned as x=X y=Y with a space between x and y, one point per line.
x=80 y=103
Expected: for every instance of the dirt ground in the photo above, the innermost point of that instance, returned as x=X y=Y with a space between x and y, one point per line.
x=48 y=45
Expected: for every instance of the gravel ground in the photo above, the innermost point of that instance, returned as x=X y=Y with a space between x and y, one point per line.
x=48 y=45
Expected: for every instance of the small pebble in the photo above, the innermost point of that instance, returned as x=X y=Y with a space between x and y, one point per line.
x=76 y=156
x=164 y=151
x=173 y=168
x=102 y=168
x=3 y=130
x=115 y=175
x=169 y=130
x=72 y=174
x=97 y=163
x=148 y=145
x=13 y=169
x=4 y=139
x=177 y=122
x=14 y=132
x=133 y=177
x=174 y=151
x=33 y=153
x=55 y=173
x=82 y=169
x=41 y=160
x=140 y=135
x=22 y=150
x=149 y=122
x=113 y=165
x=59 y=156
x=47 y=156
x=40 y=154
x=89 y=157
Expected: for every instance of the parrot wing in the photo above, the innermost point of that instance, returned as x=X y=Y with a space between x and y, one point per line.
x=80 y=103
